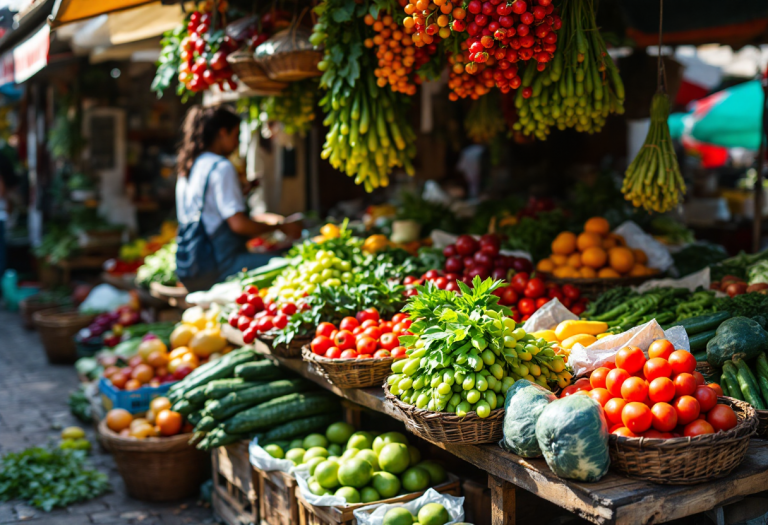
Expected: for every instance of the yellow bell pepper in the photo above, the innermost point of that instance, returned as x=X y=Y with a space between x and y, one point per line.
x=567 y=329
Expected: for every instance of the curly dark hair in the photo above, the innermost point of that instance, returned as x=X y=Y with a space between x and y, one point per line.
x=200 y=128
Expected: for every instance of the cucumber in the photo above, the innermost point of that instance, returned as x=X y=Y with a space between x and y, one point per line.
x=700 y=356
x=219 y=388
x=222 y=368
x=228 y=411
x=259 y=371
x=762 y=383
x=220 y=438
x=702 y=323
x=300 y=427
x=762 y=365
x=206 y=424
x=185 y=408
x=195 y=417
x=729 y=372
x=724 y=386
x=748 y=385
x=281 y=410
x=699 y=342
x=196 y=395
x=255 y=395
x=206 y=368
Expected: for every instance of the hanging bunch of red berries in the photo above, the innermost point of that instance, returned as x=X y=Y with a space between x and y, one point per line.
x=203 y=59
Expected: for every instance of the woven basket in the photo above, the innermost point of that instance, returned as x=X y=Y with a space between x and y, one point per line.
x=444 y=427
x=290 y=351
x=253 y=75
x=57 y=328
x=350 y=373
x=288 y=56
x=591 y=288
x=157 y=469
x=30 y=305
x=689 y=460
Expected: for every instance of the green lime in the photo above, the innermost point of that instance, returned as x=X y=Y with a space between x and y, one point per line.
x=433 y=514
x=350 y=494
x=369 y=494
x=313 y=463
x=339 y=433
x=355 y=472
x=334 y=449
x=315 y=440
x=415 y=454
x=296 y=455
x=370 y=456
x=394 y=458
x=436 y=471
x=388 y=437
x=315 y=452
x=327 y=474
x=387 y=485
x=296 y=443
x=398 y=516
x=350 y=453
x=316 y=489
x=415 y=479
x=359 y=440
x=275 y=451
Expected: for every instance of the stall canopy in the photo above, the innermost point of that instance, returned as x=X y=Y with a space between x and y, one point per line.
x=68 y=11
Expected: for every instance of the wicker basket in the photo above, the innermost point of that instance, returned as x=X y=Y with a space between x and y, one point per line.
x=591 y=288
x=57 y=328
x=350 y=373
x=444 y=427
x=684 y=461
x=288 y=56
x=253 y=75
x=30 y=305
x=290 y=351
x=157 y=469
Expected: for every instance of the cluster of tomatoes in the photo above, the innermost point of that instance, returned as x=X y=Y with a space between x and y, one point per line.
x=461 y=83
x=526 y=294
x=364 y=336
x=204 y=60
x=399 y=52
x=660 y=397
x=256 y=316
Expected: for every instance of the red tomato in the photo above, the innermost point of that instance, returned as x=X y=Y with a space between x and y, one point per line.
x=386 y=326
x=699 y=378
x=441 y=283
x=409 y=279
x=364 y=356
x=398 y=318
x=406 y=323
x=358 y=330
x=706 y=397
x=682 y=362
x=519 y=281
x=526 y=306
x=398 y=352
x=325 y=329
x=382 y=354
x=615 y=379
x=697 y=428
x=656 y=367
x=569 y=390
x=265 y=324
x=534 y=288
x=333 y=353
x=631 y=359
x=661 y=390
x=431 y=275
x=722 y=417
x=687 y=408
x=388 y=341
x=634 y=389
x=636 y=417
x=333 y=335
x=374 y=332
x=280 y=321
x=541 y=301
x=663 y=417
x=597 y=378
x=660 y=348
x=344 y=340
x=716 y=388
x=609 y=365
x=601 y=395
x=571 y=292
x=613 y=410
x=366 y=345
x=369 y=323
x=370 y=313
x=509 y=296
x=653 y=434
x=288 y=309
x=578 y=308
x=348 y=324
x=685 y=385
x=398 y=329
x=624 y=431
x=251 y=289
x=320 y=345
x=349 y=354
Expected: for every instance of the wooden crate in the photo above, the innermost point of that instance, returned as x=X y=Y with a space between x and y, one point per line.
x=235 y=485
x=313 y=515
x=277 y=498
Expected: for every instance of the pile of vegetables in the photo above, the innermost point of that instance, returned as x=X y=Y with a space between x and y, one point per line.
x=160 y=267
x=751 y=268
x=695 y=257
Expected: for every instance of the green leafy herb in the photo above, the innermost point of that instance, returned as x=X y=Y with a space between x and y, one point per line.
x=160 y=267
x=80 y=406
x=535 y=235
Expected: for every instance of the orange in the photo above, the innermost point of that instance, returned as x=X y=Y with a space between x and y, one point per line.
x=566 y=272
x=545 y=265
x=588 y=240
x=574 y=260
x=608 y=273
x=594 y=257
x=564 y=243
x=587 y=273
x=169 y=422
x=620 y=241
x=638 y=270
x=621 y=259
x=640 y=256
x=558 y=260
x=609 y=243
x=118 y=419
x=597 y=225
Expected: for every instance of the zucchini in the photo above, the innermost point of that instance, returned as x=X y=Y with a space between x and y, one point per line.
x=699 y=342
x=702 y=323
x=206 y=424
x=281 y=410
x=748 y=385
x=729 y=372
x=259 y=371
x=255 y=395
x=300 y=427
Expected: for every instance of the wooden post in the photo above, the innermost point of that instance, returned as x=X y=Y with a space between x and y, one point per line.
x=502 y=501
x=757 y=222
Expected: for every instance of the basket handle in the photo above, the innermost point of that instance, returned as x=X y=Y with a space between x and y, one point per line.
x=295 y=25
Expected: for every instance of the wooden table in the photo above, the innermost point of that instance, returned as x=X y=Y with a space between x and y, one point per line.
x=615 y=499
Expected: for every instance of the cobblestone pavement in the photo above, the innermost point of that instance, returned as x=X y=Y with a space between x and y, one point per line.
x=33 y=409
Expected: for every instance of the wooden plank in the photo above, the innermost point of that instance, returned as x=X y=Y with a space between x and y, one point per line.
x=502 y=501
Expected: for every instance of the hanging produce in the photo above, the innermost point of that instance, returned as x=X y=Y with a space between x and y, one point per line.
x=369 y=134
x=581 y=88
x=484 y=121
x=294 y=108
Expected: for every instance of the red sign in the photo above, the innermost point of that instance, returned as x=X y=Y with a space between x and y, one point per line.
x=31 y=56
x=6 y=68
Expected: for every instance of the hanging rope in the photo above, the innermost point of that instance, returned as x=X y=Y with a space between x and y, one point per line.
x=661 y=83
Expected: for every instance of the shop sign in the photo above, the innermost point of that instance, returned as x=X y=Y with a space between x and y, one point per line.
x=6 y=68
x=32 y=55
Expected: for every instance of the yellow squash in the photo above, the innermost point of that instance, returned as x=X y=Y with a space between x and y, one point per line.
x=567 y=329
x=584 y=339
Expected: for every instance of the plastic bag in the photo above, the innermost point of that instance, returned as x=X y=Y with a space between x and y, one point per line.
x=453 y=504
x=441 y=239
x=658 y=255
x=221 y=293
x=302 y=474
x=104 y=298
x=691 y=282
x=549 y=316
x=585 y=359
x=261 y=459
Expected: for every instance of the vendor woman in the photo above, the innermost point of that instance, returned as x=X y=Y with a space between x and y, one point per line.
x=210 y=207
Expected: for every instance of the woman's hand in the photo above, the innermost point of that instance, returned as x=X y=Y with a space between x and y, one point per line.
x=292 y=225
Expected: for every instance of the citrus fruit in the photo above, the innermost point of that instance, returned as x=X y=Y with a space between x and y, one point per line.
x=414 y=453
x=597 y=225
x=369 y=494
x=588 y=240
x=594 y=257
x=587 y=273
x=564 y=243
x=360 y=440
x=350 y=453
x=574 y=260
x=327 y=474
x=334 y=449
x=388 y=437
x=386 y=484
x=545 y=265
x=355 y=472
x=296 y=443
x=275 y=451
x=566 y=272
x=318 y=490
x=369 y=456
x=638 y=270
x=398 y=516
x=339 y=433
x=394 y=458
x=640 y=256
x=558 y=260
x=436 y=471
x=313 y=463
x=608 y=273
x=433 y=514
x=415 y=479
x=118 y=419
x=350 y=494
x=314 y=440
x=621 y=259
x=315 y=452
x=296 y=455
